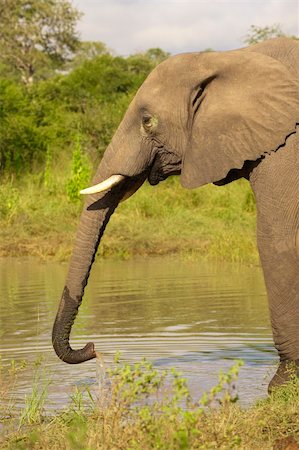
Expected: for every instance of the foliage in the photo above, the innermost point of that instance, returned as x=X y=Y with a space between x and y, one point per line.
x=35 y=34
x=91 y=98
x=142 y=407
x=258 y=34
x=86 y=51
x=21 y=137
x=156 y=55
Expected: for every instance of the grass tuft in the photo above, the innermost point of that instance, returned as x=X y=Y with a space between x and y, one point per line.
x=33 y=410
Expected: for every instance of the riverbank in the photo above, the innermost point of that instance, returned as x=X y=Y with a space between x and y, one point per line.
x=141 y=407
x=38 y=218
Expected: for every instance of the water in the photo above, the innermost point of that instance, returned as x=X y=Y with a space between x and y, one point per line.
x=195 y=317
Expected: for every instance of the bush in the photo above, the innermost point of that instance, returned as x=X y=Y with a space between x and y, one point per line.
x=91 y=98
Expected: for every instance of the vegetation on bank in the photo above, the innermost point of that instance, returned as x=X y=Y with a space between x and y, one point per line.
x=140 y=407
x=39 y=216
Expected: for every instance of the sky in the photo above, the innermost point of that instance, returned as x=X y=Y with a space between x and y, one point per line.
x=176 y=26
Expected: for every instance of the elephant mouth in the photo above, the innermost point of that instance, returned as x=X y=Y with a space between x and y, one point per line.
x=155 y=178
x=164 y=165
x=154 y=175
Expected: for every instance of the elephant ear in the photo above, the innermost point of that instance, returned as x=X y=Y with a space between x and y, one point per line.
x=247 y=108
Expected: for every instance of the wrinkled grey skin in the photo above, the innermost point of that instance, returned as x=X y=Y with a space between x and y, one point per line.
x=209 y=118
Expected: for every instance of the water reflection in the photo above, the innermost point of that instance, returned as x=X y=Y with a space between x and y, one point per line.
x=195 y=317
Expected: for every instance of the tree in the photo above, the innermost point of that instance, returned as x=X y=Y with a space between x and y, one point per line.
x=259 y=34
x=156 y=55
x=35 y=34
x=86 y=51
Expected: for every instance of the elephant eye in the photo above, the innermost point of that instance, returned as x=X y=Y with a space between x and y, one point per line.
x=147 y=121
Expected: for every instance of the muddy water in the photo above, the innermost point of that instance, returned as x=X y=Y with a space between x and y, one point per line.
x=195 y=317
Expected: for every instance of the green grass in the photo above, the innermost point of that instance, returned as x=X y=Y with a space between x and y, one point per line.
x=33 y=410
x=148 y=409
x=38 y=218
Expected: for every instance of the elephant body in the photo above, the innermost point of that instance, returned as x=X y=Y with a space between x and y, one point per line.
x=275 y=183
x=210 y=118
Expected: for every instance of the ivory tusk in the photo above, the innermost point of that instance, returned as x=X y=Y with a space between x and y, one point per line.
x=104 y=185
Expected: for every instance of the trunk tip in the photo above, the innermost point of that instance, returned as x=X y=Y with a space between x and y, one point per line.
x=89 y=351
x=71 y=356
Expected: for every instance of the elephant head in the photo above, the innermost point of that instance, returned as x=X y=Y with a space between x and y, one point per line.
x=197 y=115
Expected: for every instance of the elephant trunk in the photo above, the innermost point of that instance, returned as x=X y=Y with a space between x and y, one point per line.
x=96 y=214
x=123 y=176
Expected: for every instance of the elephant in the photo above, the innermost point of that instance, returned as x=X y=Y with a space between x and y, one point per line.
x=208 y=117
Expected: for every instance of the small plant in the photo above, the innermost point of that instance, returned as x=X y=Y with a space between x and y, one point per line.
x=225 y=391
x=8 y=378
x=9 y=202
x=80 y=172
x=35 y=401
x=133 y=383
x=48 y=167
